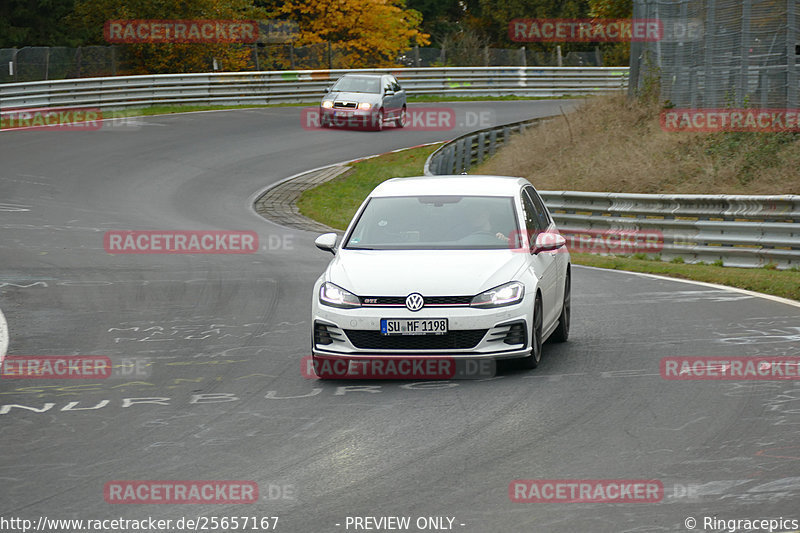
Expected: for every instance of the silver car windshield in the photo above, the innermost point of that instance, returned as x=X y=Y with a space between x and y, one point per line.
x=355 y=84
x=435 y=223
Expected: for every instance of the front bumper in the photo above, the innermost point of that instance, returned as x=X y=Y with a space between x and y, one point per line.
x=348 y=117
x=501 y=333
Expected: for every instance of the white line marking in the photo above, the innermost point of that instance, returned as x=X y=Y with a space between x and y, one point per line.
x=754 y=294
x=3 y=337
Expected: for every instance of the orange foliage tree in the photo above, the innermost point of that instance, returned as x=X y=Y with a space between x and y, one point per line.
x=363 y=33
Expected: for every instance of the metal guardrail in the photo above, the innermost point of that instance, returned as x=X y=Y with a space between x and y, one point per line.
x=253 y=88
x=462 y=153
x=743 y=231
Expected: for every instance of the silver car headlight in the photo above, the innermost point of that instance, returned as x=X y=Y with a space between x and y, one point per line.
x=506 y=294
x=335 y=296
x=327 y=104
x=364 y=105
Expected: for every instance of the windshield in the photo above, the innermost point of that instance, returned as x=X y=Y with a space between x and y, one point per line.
x=356 y=84
x=435 y=222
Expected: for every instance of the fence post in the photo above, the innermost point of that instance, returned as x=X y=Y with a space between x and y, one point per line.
x=417 y=61
x=291 y=55
x=710 y=93
x=486 y=56
x=78 y=60
x=791 y=54
x=330 y=56
x=745 y=54
x=47 y=63
x=523 y=60
x=113 y=60
x=636 y=56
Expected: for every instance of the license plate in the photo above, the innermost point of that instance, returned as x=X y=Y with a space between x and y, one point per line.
x=420 y=326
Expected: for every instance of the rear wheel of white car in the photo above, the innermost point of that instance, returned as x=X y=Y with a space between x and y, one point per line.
x=561 y=334
x=379 y=121
x=532 y=361
x=401 y=120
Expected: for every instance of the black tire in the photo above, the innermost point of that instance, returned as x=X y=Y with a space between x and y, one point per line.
x=561 y=334
x=401 y=120
x=532 y=361
x=378 y=126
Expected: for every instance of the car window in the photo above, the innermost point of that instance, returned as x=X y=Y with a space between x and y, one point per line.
x=538 y=206
x=358 y=84
x=435 y=223
x=533 y=223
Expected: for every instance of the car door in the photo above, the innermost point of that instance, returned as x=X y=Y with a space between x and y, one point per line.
x=543 y=265
x=390 y=107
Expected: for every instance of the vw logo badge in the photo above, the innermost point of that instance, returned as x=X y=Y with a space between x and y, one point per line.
x=414 y=301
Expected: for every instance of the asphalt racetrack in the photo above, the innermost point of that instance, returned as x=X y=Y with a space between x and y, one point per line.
x=209 y=346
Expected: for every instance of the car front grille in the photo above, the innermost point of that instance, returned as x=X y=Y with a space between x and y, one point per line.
x=430 y=301
x=452 y=340
x=347 y=105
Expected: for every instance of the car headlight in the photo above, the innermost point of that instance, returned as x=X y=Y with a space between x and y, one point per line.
x=364 y=105
x=335 y=296
x=506 y=294
x=327 y=104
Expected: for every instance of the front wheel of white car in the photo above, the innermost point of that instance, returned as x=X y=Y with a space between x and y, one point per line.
x=532 y=361
x=401 y=120
x=378 y=125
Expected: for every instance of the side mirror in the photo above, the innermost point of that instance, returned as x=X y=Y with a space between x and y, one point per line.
x=547 y=242
x=327 y=242
x=388 y=92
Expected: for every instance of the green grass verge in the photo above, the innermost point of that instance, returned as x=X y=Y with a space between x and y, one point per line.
x=784 y=283
x=168 y=109
x=334 y=203
x=439 y=98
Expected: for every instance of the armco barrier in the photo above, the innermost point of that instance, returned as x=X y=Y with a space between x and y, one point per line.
x=276 y=87
x=744 y=231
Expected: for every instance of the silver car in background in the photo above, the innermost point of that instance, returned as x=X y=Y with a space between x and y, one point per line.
x=364 y=100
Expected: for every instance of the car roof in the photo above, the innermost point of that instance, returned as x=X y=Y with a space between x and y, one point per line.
x=451 y=185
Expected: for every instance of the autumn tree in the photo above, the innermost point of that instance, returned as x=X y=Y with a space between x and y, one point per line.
x=155 y=58
x=363 y=33
x=611 y=9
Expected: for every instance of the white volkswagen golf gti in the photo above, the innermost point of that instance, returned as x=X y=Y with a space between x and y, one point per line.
x=456 y=266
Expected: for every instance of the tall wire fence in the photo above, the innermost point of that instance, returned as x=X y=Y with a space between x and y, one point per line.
x=720 y=53
x=54 y=63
